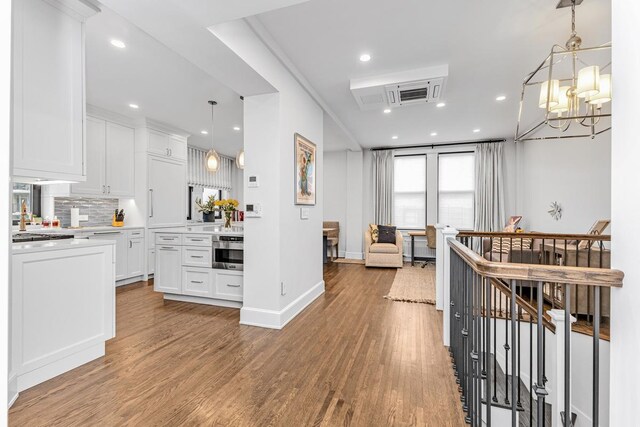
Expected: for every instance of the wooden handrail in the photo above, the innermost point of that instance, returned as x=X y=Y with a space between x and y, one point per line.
x=535 y=235
x=534 y=272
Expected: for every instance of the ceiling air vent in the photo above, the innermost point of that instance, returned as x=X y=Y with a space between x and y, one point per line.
x=420 y=86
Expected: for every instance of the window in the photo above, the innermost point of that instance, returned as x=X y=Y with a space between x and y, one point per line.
x=28 y=193
x=410 y=191
x=456 y=188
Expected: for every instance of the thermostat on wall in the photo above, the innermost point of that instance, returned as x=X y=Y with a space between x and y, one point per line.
x=253 y=181
x=253 y=210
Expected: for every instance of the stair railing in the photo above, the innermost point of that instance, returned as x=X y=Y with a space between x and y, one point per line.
x=489 y=322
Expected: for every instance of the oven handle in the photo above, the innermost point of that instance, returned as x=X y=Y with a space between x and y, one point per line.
x=228 y=245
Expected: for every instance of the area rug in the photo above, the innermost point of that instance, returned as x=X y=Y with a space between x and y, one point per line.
x=414 y=284
x=348 y=261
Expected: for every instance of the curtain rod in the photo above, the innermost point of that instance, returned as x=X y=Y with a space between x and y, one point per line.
x=450 y=144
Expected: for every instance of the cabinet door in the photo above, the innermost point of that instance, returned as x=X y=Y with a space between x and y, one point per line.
x=94 y=185
x=159 y=143
x=121 y=250
x=177 y=148
x=48 y=98
x=167 y=192
x=135 y=257
x=168 y=271
x=228 y=285
x=151 y=261
x=120 y=160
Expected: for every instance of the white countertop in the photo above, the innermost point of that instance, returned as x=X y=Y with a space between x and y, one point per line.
x=210 y=229
x=40 y=230
x=57 y=245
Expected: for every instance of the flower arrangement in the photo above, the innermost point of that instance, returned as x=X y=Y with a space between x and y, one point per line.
x=227 y=205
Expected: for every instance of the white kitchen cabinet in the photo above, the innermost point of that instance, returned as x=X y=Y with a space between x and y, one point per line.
x=49 y=89
x=166 y=192
x=228 y=285
x=168 y=272
x=197 y=256
x=151 y=258
x=135 y=254
x=166 y=145
x=110 y=160
x=120 y=160
x=96 y=143
x=120 y=237
x=197 y=282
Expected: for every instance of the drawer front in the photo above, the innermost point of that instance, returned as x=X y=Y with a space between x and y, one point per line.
x=135 y=234
x=229 y=286
x=196 y=240
x=167 y=239
x=197 y=282
x=197 y=256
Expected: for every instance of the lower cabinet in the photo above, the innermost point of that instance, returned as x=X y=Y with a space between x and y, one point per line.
x=228 y=285
x=168 y=272
x=151 y=256
x=197 y=282
x=129 y=251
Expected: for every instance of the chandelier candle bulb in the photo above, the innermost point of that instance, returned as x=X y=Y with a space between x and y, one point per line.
x=551 y=91
x=588 y=81
x=604 y=95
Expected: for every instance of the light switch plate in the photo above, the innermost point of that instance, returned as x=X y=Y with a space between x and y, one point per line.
x=304 y=213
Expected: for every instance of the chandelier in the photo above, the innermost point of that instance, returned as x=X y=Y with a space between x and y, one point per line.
x=572 y=87
x=212 y=160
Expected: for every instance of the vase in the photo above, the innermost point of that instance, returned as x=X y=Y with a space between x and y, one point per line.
x=227 y=219
x=208 y=217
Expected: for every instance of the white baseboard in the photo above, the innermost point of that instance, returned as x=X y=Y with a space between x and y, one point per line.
x=39 y=375
x=202 y=300
x=130 y=280
x=353 y=255
x=12 y=390
x=273 y=319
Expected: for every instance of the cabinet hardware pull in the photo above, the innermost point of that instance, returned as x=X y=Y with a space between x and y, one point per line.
x=196 y=256
x=168 y=248
x=197 y=281
x=151 y=202
x=109 y=189
x=130 y=244
x=101 y=233
x=197 y=240
x=233 y=286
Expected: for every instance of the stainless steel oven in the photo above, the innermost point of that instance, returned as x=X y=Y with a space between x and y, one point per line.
x=228 y=252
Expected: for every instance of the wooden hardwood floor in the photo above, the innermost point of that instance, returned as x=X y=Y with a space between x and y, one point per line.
x=351 y=358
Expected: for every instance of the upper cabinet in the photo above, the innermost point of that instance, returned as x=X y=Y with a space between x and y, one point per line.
x=110 y=160
x=48 y=89
x=167 y=145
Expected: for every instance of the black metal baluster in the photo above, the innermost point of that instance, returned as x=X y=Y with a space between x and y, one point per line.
x=596 y=359
x=519 y=367
x=487 y=334
x=567 y=361
x=540 y=389
x=514 y=409
x=506 y=351
x=495 y=340
x=531 y=369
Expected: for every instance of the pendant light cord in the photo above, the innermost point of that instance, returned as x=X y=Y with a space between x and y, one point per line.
x=573 y=17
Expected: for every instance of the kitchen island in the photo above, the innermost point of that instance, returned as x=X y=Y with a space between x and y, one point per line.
x=200 y=264
x=62 y=308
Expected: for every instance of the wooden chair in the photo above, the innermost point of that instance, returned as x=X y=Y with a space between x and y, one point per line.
x=430 y=233
x=333 y=237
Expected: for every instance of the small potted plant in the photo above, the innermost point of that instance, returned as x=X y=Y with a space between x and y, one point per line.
x=228 y=206
x=208 y=209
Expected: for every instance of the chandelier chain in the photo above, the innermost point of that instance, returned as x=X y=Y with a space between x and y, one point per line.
x=573 y=17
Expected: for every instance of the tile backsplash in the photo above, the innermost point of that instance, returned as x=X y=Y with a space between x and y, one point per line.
x=100 y=211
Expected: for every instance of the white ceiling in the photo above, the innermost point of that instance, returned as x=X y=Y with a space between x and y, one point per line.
x=489 y=46
x=165 y=85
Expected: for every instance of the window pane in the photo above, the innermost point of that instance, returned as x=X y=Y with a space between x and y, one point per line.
x=456 y=187
x=409 y=203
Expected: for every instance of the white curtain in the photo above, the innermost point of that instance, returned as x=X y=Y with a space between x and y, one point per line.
x=199 y=175
x=383 y=186
x=489 y=200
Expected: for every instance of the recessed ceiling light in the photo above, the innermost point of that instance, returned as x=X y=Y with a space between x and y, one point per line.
x=476 y=130
x=501 y=98
x=204 y=132
x=134 y=106
x=440 y=104
x=236 y=128
x=387 y=110
x=394 y=137
x=118 y=43
x=365 y=57
x=434 y=133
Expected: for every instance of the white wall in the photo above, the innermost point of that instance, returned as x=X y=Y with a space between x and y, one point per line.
x=625 y=211
x=575 y=173
x=281 y=249
x=335 y=200
x=343 y=182
x=5 y=168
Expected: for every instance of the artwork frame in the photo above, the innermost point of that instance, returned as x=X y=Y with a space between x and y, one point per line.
x=305 y=153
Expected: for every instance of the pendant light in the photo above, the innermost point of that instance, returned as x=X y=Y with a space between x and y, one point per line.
x=240 y=159
x=212 y=161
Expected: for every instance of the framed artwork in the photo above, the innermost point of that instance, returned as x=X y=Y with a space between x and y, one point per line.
x=305 y=167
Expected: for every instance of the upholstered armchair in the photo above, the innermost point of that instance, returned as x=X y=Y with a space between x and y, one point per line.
x=382 y=254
